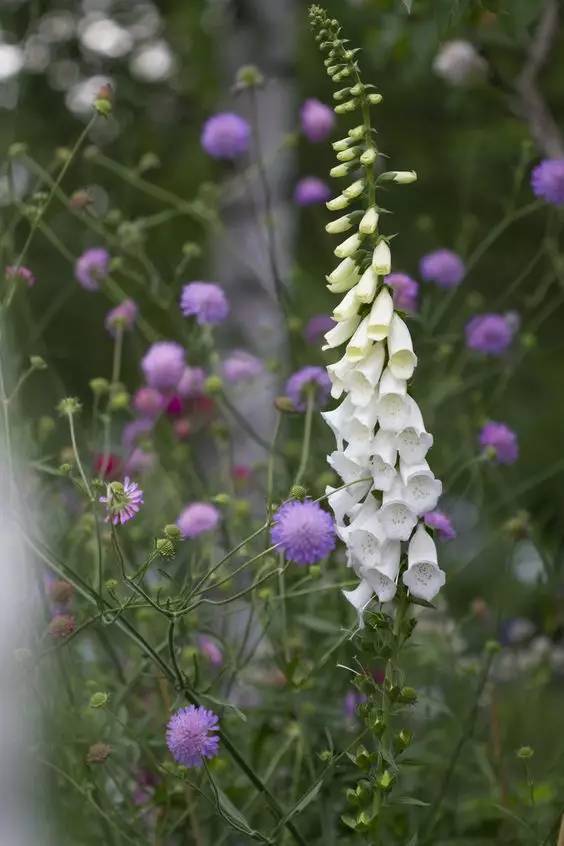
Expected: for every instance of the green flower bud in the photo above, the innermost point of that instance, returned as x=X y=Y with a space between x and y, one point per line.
x=99 y=700
x=165 y=547
x=119 y=401
x=37 y=362
x=284 y=404
x=298 y=492
x=213 y=385
x=69 y=406
x=525 y=752
x=111 y=584
x=172 y=532
x=248 y=76
x=65 y=469
x=222 y=499
x=408 y=695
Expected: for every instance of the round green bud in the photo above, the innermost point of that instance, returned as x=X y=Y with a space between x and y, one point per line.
x=284 y=404
x=191 y=250
x=69 y=406
x=298 y=492
x=111 y=584
x=525 y=752
x=408 y=695
x=165 y=547
x=119 y=401
x=37 y=362
x=213 y=385
x=492 y=647
x=99 y=700
x=65 y=469
x=222 y=499
x=172 y=532
x=248 y=76
x=45 y=427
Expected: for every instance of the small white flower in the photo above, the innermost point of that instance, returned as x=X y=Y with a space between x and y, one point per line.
x=423 y=577
x=383 y=462
x=340 y=333
x=339 y=170
x=380 y=316
x=360 y=344
x=349 y=246
x=365 y=549
x=366 y=288
x=422 y=490
x=369 y=222
x=348 y=307
x=340 y=374
x=355 y=189
x=413 y=441
x=393 y=407
x=382 y=259
x=396 y=515
x=359 y=599
x=344 y=276
x=383 y=577
x=403 y=360
x=338 y=203
x=342 y=224
x=345 y=424
x=342 y=501
x=362 y=380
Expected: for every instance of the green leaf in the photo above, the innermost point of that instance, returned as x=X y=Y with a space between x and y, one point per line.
x=410 y=800
x=231 y=814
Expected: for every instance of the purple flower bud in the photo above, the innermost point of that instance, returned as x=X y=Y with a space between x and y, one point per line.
x=92 y=267
x=317 y=120
x=405 y=289
x=547 y=181
x=191 y=383
x=308 y=378
x=24 y=273
x=163 y=365
x=124 y=315
x=502 y=440
x=226 y=136
x=198 y=518
x=439 y=521
x=205 y=301
x=489 y=333
x=443 y=267
x=148 y=402
x=311 y=191
x=241 y=366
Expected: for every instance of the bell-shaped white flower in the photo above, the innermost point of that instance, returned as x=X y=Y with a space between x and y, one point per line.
x=359 y=599
x=342 y=501
x=369 y=222
x=348 y=307
x=366 y=517
x=342 y=224
x=382 y=259
x=422 y=490
x=382 y=578
x=413 y=441
x=380 y=316
x=339 y=170
x=393 y=408
x=402 y=359
x=360 y=344
x=343 y=277
x=340 y=374
x=396 y=515
x=401 y=177
x=340 y=333
x=350 y=471
x=338 y=203
x=365 y=549
x=355 y=189
x=383 y=460
x=345 y=424
x=349 y=246
x=368 y=414
x=362 y=380
x=366 y=288
x=423 y=577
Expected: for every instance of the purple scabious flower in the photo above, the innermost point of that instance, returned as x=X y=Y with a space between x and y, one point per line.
x=124 y=315
x=191 y=383
x=308 y=378
x=311 y=191
x=190 y=735
x=502 y=440
x=134 y=431
x=405 y=290
x=303 y=531
x=489 y=333
x=92 y=267
x=122 y=501
x=443 y=267
x=139 y=462
x=205 y=301
x=442 y=524
x=241 y=366
x=24 y=273
x=317 y=120
x=316 y=327
x=198 y=518
x=547 y=181
x=163 y=365
x=148 y=402
x=211 y=650
x=226 y=136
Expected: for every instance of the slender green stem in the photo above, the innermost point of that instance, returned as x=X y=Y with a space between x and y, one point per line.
x=70 y=418
x=306 y=442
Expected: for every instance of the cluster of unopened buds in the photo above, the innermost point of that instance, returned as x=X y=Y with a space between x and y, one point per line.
x=382 y=442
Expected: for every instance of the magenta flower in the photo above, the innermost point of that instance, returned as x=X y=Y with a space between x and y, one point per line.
x=442 y=524
x=443 y=267
x=489 y=333
x=311 y=191
x=303 y=531
x=163 y=365
x=241 y=366
x=317 y=120
x=211 y=650
x=124 y=315
x=122 y=501
x=148 y=402
x=547 y=181
x=226 y=136
x=191 y=383
x=190 y=735
x=92 y=267
x=405 y=290
x=316 y=327
x=198 y=518
x=501 y=440
x=205 y=301
x=24 y=273
x=304 y=380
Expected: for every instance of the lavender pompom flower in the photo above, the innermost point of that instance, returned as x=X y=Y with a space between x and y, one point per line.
x=190 y=735
x=304 y=380
x=489 y=333
x=211 y=650
x=317 y=120
x=163 y=364
x=135 y=431
x=303 y=531
x=191 y=383
x=122 y=501
x=311 y=191
x=205 y=301
x=317 y=326
x=405 y=290
x=24 y=273
x=148 y=402
x=442 y=524
x=123 y=315
x=198 y=518
x=443 y=267
x=226 y=136
x=92 y=267
x=547 y=181
x=502 y=442
x=241 y=366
